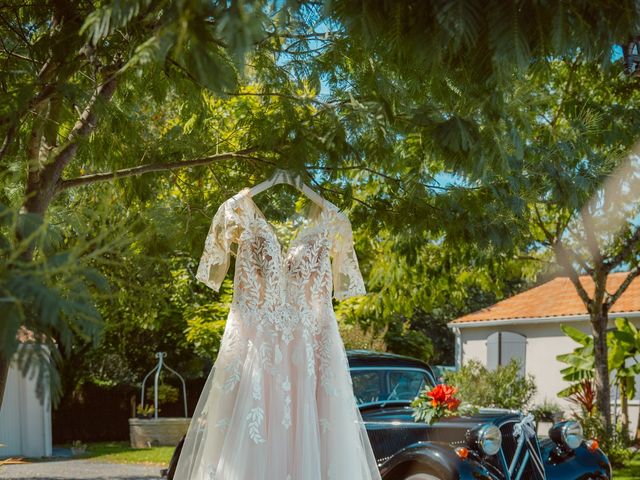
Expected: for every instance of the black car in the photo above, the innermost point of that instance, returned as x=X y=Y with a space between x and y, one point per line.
x=490 y=445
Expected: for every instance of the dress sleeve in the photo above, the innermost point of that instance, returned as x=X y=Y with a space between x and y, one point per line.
x=347 y=279
x=214 y=262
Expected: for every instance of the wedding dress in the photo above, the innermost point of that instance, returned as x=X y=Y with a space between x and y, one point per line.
x=279 y=404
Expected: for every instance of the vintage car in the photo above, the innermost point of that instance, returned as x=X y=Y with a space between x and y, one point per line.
x=490 y=445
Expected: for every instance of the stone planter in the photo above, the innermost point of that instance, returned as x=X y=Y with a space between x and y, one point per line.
x=145 y=433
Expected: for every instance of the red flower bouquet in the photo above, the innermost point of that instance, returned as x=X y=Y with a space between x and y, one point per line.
x=431 y=405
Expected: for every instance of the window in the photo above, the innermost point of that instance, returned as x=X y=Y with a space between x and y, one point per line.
x=405 y=385
x=502 y=347
x=379 y=385
x=367 y=386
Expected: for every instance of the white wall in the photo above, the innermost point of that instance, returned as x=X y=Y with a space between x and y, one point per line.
x=544 y=342
x=25 y=423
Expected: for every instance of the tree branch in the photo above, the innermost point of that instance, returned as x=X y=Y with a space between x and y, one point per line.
x=621 y=289
x=549 y=236
x=562 y=256
x=326 y=105
x=625 y=251
x=45 y=185
x=565 y=91
x=153 y=167
x=590 y=238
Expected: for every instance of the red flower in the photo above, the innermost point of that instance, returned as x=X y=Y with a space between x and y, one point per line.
x=443 y=395
x=436 y=403
x=453 y=404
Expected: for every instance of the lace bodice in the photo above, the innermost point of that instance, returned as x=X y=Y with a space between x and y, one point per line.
x=318 y=261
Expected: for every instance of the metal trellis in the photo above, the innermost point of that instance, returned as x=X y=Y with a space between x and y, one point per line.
x=160 y=356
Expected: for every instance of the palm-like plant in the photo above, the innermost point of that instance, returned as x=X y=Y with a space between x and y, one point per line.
x=48 y=298
x=624 y=346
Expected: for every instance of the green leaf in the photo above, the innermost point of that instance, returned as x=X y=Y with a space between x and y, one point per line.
x=576 y=334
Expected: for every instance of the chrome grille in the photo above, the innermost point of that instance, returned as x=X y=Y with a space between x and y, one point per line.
x=520 y=460
x=386 y=442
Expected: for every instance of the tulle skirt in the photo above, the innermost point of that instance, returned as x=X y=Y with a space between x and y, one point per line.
x=278 y=407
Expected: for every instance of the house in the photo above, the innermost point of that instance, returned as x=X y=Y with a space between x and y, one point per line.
x=25 y=422
x=526 y=326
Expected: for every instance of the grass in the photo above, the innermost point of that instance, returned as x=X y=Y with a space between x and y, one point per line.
x=630 y=472
x=121 y=452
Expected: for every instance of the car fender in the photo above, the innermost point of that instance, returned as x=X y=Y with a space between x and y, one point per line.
x=574 y=464
x=436 y=458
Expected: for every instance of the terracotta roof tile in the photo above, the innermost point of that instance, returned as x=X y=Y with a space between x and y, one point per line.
x=556 y=298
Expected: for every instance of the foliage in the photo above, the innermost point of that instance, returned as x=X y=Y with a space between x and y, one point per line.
x=206 y=322
x=582 y=393
x=580 y=364
x=541 y=147
x=476 y=44
x=503 y=387
x=624 y=348
x=618 y=448
x=95 y=91
x=166 y=393
x=146 y=411
x=630 y=470
x=415 y=287
x=624 y=345
x=441 y=138
x=431 y=405
x=548 y=411
x=78 y=448
x=356 y=337
x=615 y=444
x=50 y=299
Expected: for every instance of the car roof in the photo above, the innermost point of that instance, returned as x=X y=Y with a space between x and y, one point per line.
x=369 y=358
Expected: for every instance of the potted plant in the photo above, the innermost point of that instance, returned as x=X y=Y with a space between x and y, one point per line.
x=78 y=448
x=547 y=414
x=145 y=411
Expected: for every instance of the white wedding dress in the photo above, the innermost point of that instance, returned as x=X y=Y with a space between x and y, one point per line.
x=279 y=404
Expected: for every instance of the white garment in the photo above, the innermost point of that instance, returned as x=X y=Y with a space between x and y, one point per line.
x=279 y=404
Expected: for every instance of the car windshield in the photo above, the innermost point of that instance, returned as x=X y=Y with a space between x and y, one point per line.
x=371 y=385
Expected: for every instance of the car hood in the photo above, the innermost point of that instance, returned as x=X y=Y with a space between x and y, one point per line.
x=449 y=429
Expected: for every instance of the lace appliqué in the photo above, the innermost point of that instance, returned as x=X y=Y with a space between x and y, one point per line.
x=326 y=374
x=286 y=418
x=255 y=418
x=222 y=424
x=211 y=473
x=324 y=425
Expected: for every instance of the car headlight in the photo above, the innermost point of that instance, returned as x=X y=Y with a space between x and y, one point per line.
x=487 y=438
x=567 y=433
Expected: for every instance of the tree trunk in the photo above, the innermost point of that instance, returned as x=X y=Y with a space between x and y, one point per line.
x=4 y=373
x=603 y=394
x=624 y=409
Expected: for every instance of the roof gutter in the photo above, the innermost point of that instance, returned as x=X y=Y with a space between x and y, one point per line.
x=535 y=320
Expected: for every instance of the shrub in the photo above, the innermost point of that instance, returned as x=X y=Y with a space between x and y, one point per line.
x=616 y=445
x=166 y=393
x=356 y=337
x=504 y=387
x=547 y=411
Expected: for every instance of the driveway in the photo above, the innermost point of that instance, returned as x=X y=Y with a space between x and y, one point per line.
x=79 y=470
